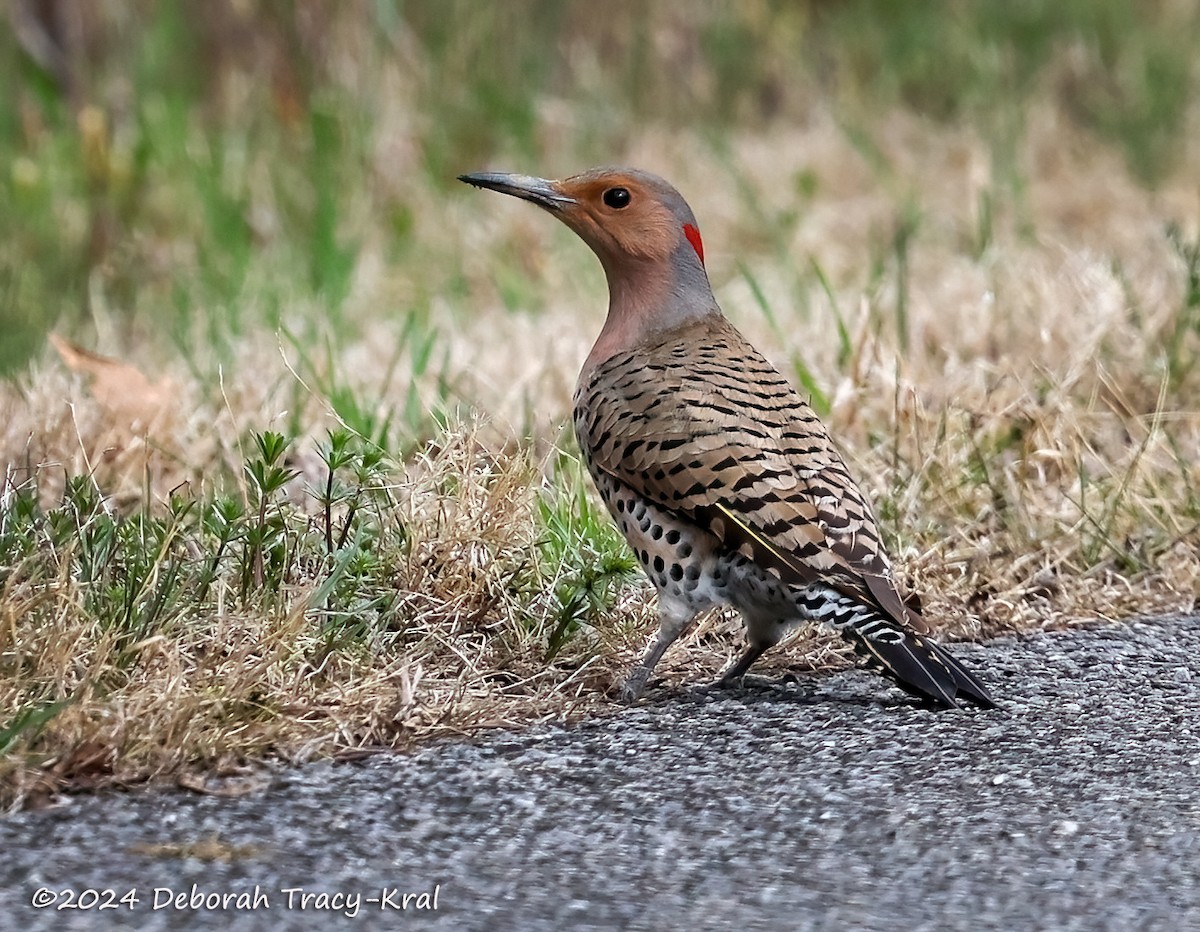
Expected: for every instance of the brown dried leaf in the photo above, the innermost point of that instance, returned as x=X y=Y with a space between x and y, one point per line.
x=119 y=386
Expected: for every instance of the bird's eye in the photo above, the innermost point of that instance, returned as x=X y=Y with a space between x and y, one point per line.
x=616 y=198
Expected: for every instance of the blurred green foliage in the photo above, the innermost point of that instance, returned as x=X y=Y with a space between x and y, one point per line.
x=185 y=167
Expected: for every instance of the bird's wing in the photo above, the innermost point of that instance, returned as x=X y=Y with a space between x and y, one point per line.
x=702 y=425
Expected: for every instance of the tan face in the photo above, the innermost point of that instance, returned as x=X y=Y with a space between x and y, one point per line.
x=618 y=215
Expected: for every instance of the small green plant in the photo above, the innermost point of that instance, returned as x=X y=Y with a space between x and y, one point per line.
x=265 y=541
x=337 y=454
x=582 y=555
x=139 y=572
x=223 y=523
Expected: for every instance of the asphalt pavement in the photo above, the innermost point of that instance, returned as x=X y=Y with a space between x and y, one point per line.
x=828 y=802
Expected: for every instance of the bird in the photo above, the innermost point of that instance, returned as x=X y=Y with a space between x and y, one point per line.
x=721 y=477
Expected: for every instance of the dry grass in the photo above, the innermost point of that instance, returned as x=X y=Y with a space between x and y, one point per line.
x=1016 y=390
x=461 y=649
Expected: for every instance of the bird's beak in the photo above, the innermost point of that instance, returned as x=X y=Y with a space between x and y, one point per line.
x=541 y=191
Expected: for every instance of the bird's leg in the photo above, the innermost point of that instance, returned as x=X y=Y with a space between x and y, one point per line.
x=739 y=669
x=763 y=631
x=672 y=619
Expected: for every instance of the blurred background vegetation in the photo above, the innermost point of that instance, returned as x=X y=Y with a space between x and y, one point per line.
x=179 y=170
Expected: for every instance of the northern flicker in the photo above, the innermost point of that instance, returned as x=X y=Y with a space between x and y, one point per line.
x=722 y=479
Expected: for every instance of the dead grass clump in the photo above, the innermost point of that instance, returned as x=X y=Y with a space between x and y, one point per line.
x=444 y=629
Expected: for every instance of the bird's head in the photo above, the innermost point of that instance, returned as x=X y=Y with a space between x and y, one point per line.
x=628 y=217
x=645 y=236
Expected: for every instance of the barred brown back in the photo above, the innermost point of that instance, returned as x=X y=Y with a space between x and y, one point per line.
x=701 y=424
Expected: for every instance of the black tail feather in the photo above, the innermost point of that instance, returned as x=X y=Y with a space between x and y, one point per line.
x=968 y=685
x=921 y=667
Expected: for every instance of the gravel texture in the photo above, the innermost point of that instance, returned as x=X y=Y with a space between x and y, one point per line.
x=824 y=803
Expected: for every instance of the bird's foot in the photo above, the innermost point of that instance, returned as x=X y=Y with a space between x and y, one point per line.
x=632 y=688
